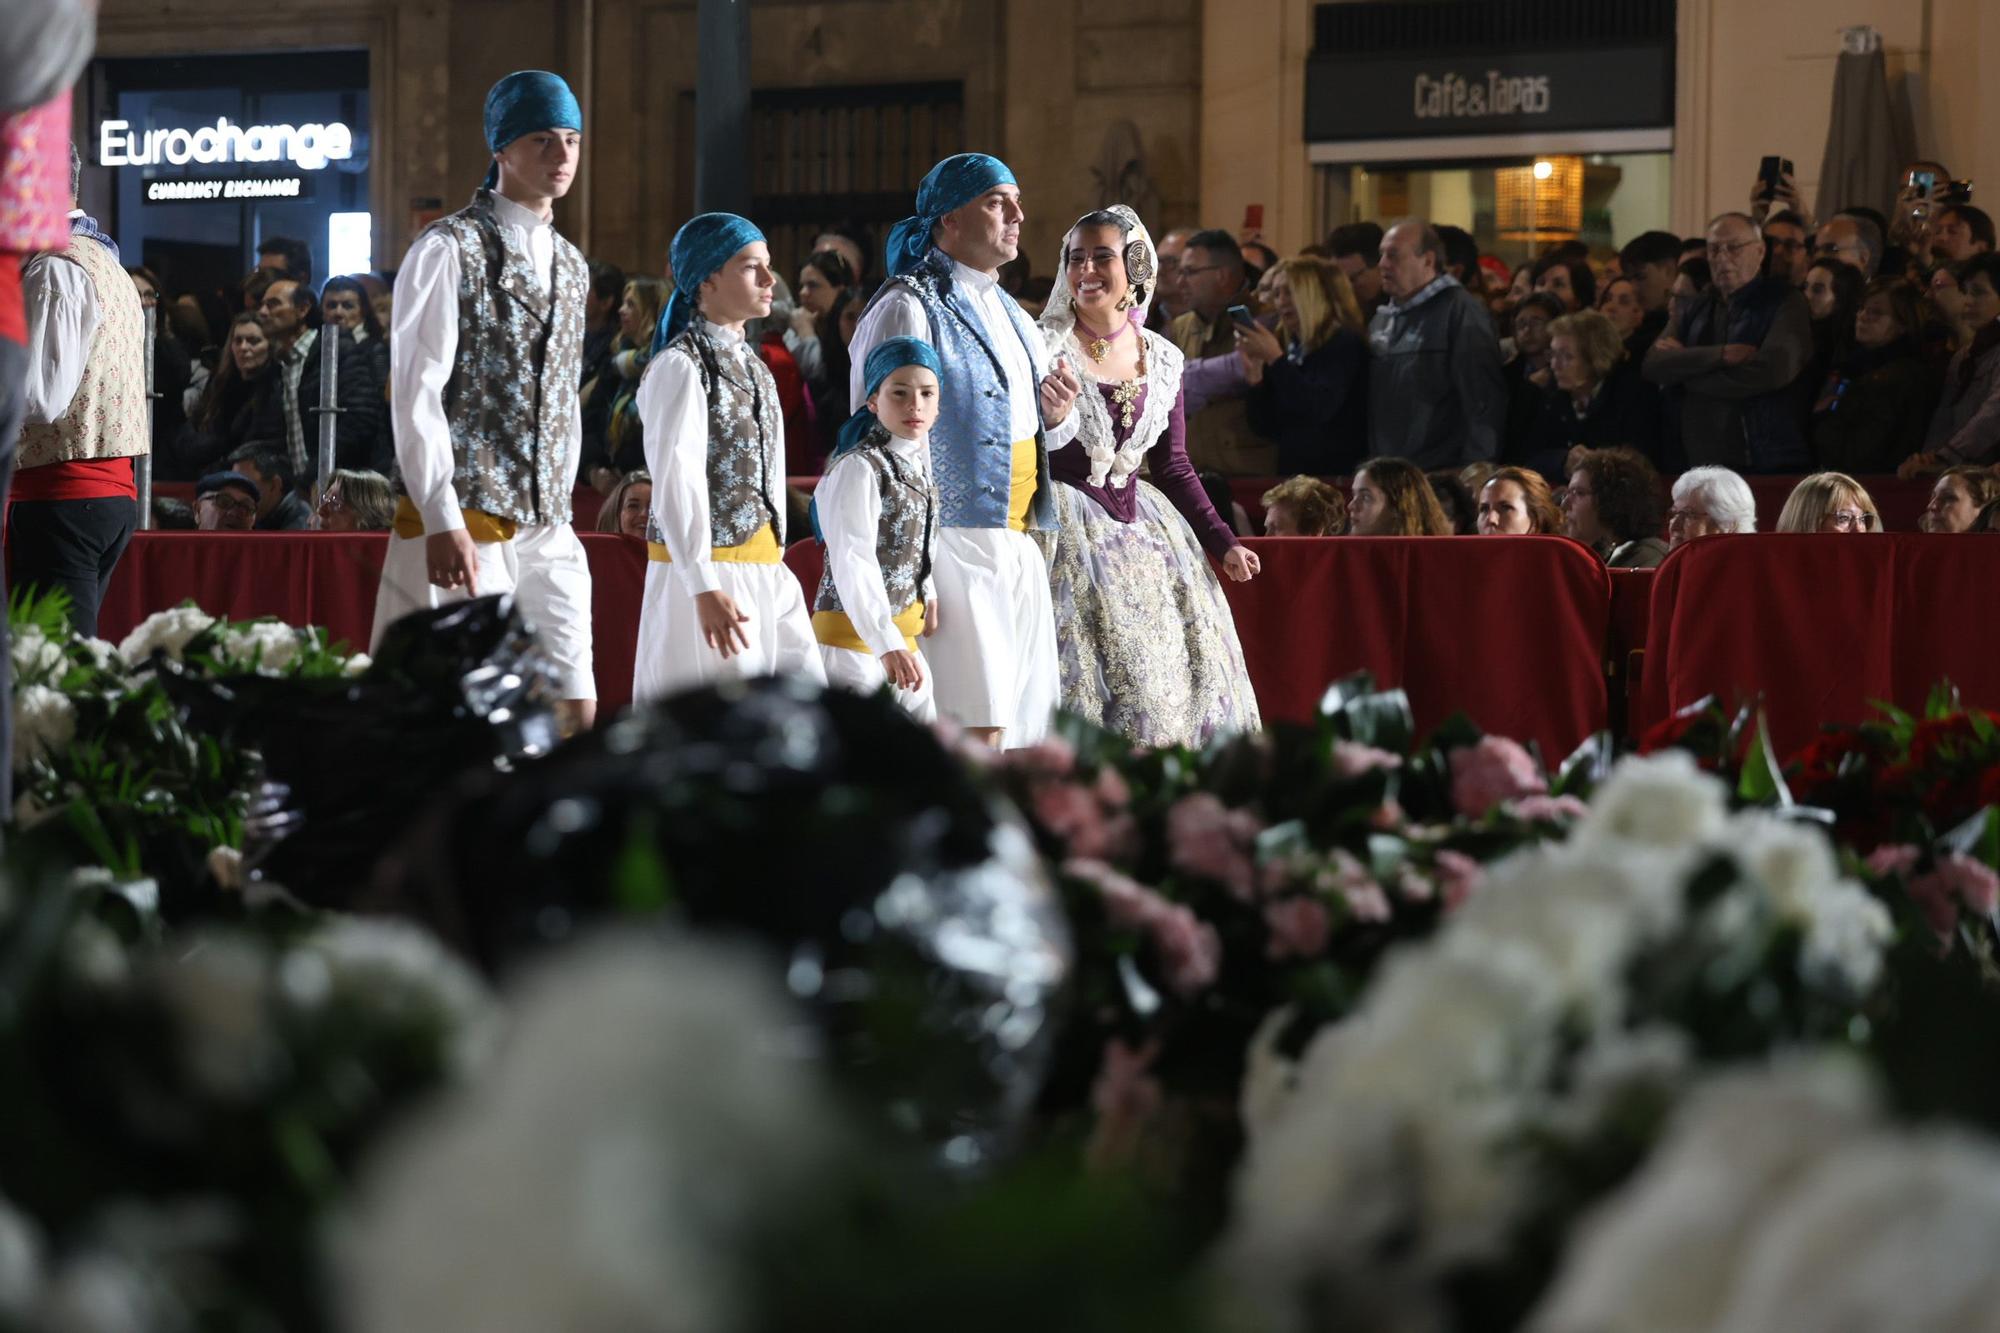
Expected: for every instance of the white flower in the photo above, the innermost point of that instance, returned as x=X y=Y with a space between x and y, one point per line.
x=397 y=973
x=647 y=1116
x=21 y=1259
x=225 y=867
x=1845 y=940
x=216 y=993
x=44 y=723
x=1661 y=801
x=271 y=646
x=357 y=664
x=102 y=655
x=171 y=630
x=35 y=655
x=1846 y=930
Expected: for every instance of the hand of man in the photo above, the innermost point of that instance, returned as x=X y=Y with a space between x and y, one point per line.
x=453 y=560
x=1242 y=564
x=905 y=669
x=930 y=617
x=1735 y=354
x=1917 y=465
x=1059 y=389
x=722 y=623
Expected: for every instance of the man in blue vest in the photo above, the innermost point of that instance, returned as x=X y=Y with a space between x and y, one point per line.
x=993 y=650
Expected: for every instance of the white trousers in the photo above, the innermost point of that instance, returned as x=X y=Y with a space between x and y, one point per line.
x=863 y=674
x=995 y=648
x=672 y=657
x=544 y=567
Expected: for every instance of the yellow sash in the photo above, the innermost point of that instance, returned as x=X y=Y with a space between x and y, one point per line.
x=761 y=549
x=1021 y=490
x=835 y=630
x=483 y=526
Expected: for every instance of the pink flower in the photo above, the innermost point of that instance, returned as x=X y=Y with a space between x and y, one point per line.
x=1351 y=760
x=1072 y=814
x=1550 y=809
x=1051 y=757
x=1207 y=838
x=1387 y=817
x=1299 y=927
x=1189 y=950
x=1495 y=770
x=1971 y=881
x=1350 y=879
x=1933 y=898
x=1411 y=883
x=1111 y=788
x=1898 y=858
x=1125 y=1098
x=1458 y=876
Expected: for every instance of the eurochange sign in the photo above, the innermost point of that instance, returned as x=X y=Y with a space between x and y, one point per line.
x=201 y=191
x=307 y=147
x=1429 y=96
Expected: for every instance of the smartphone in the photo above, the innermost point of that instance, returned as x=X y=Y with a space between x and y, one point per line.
x=1923 y=182
x=1770 y=172
x=1958 y=192
x=1240 y=314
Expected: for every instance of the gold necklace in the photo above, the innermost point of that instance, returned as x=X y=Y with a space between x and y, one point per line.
x=1127 y=393
x=1099 y=346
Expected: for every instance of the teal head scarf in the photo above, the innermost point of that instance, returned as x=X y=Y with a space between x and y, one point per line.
x=888 y=357
x=702 y=245
x=952 y=183
x=523 y=102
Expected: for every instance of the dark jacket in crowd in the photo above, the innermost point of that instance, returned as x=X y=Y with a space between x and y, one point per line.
x=1740 y=417
x=1524 y=408
x=1874 y=409
x=288 y=515
x=1966 y=427
x=361 y=436
x=1315 y=407
x=1625 y=410
x=1640 y=340
x=202 y=444
x=1435 y=392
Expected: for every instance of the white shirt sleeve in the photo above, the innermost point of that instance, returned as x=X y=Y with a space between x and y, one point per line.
x=673 y=409
x=850 y=513
x=897 y=313
x=423 y=343
x=63 y=314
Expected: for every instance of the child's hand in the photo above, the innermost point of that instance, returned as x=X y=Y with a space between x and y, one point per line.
x=722 y=623
x=905 y=669
x=930 y=617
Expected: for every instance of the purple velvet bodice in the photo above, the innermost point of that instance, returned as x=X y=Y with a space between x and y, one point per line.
x=1168 y=470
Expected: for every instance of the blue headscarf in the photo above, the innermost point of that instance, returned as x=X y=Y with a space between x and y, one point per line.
x=952 y=183
x=888 y=357
x=702 y=245
x=525 y=101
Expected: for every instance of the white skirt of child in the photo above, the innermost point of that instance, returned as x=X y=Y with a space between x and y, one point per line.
x=862 y=673
x=672 y=656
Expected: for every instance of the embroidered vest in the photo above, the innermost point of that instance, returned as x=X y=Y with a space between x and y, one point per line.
x=511 y=398
x=107 y=417
x=746 y=437
x=905 y=534
x=34 y=177
x=972 y=442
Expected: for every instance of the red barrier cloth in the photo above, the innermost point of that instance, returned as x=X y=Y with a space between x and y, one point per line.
x=1631 y=604
x=1510 y=631
x=329 y=579
x=1820 y=626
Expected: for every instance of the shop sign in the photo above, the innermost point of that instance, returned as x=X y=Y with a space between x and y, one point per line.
x=1350 y=98
x=307 y=147
x=201 y=191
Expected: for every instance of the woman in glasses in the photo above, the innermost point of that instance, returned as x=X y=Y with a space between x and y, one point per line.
x=1829 y=502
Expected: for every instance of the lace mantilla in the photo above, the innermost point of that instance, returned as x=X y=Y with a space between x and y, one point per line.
x=1110 y=462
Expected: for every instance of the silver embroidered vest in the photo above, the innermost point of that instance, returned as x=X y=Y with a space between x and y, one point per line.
x=905 y=534
x=746 y=438
x=511 y=397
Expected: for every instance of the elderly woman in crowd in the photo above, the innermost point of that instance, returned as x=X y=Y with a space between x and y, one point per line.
x=1612 y=505
x=1966 y=426
x=1304 y=507
x=1876 y=404
x=1829 y=502
x=1391 y=497
x=626 y=508
x=1960 y=495
x=1709 y=501
x=356 y=501
x=1597 y=399
x=1312 y=390
x=1516 y=502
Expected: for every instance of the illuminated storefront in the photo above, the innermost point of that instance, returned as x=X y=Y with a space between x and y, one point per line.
x=192 y=162
x=1526 y=122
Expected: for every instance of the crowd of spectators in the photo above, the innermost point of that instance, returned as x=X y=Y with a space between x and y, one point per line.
x=1461 y=394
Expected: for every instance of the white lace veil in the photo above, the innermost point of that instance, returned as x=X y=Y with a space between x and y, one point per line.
x=1142 y=266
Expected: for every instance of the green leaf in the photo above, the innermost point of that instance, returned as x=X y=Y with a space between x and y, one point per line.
x=1942 y=701
x=1344 y=691
x=1585 y=767
x=1762 y=781
x=1977 y=837
x=640 y=881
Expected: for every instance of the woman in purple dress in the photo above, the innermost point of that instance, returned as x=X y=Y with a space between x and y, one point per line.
x=1146 y=644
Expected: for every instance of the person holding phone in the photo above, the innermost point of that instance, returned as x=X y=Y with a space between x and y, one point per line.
x=1148 y=647
x=1220 y=307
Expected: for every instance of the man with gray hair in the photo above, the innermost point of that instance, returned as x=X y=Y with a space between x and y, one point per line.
x=1728 y=361
x=1853 y=238
x=1435 y=392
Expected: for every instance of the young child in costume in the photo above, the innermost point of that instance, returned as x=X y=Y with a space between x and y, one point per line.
x=876 y=513
x=719 y=601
